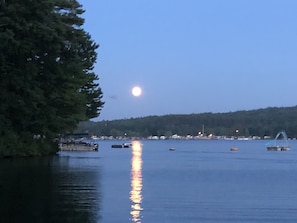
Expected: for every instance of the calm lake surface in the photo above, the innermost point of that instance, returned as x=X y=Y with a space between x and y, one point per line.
x=201 y=181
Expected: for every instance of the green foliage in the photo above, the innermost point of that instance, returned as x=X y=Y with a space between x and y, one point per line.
x=46 y=60
x=261 y=122
x=12 y=144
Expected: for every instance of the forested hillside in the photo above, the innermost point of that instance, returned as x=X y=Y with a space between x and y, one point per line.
x=261 y=122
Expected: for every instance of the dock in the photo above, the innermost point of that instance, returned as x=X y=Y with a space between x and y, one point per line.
x=82 y=147
x=279 y=143
x=278 y=148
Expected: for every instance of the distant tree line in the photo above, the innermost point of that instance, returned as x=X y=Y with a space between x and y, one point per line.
x=260 y=122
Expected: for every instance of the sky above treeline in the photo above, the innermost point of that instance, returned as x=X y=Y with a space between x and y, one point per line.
x=193 y=56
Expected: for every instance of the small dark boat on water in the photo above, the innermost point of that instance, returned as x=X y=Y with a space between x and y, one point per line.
x=124 y=145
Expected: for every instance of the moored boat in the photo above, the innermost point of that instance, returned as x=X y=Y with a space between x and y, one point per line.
x=124 y=145
x=233 y=149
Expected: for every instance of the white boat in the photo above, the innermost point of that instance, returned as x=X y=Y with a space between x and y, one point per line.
x=279 y=143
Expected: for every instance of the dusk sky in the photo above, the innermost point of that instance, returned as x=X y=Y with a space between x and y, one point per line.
x=193 y=56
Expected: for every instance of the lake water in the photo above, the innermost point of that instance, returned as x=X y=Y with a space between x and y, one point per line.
x=201 y=181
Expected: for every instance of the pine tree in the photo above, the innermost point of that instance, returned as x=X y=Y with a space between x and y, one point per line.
x=47 y=83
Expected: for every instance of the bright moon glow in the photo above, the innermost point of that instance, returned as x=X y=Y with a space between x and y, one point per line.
x=136 y=91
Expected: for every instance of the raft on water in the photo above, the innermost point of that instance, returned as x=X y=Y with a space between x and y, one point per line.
x=279 y=143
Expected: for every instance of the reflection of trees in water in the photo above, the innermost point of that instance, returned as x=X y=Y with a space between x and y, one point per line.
x=49 y=190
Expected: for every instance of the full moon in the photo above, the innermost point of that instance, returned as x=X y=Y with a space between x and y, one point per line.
x=136 y=91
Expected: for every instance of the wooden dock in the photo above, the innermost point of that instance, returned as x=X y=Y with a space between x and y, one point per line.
x=82 y=147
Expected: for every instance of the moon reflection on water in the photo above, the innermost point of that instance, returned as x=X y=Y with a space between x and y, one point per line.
x=136 y=182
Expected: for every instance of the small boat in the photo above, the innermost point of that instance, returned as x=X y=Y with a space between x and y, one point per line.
x=234 y=149
x=171 y=149
x=279 y=143
x=124 y=145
